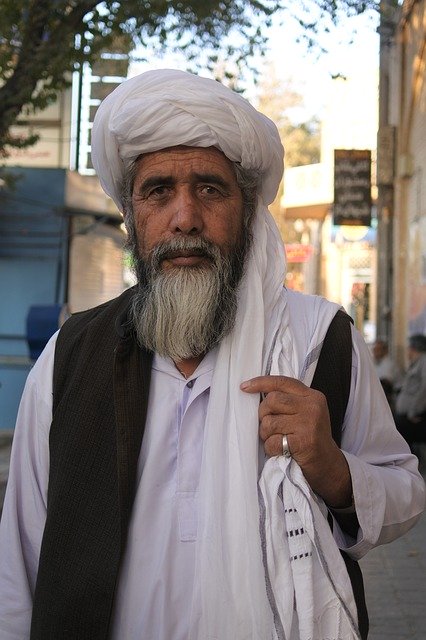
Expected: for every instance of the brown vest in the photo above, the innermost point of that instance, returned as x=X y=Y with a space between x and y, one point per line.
x=101 y=385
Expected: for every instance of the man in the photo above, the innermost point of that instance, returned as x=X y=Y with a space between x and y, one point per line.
x=411 y=400
x=142 y=502
x=386 y=369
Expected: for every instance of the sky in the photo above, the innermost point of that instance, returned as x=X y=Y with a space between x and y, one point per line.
x=309 y=72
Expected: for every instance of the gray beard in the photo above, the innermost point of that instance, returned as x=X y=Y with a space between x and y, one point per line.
x=184 y=312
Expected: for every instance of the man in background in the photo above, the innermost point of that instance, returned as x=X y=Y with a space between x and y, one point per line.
x=411 y=400
x=386 y=369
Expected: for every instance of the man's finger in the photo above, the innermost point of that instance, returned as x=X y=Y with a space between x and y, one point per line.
x=274 y=445
x=278 y=403
x=266 y=384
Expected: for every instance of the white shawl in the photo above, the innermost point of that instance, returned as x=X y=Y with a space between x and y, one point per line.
x=247 y=587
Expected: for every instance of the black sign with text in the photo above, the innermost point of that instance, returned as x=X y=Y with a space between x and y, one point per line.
x=352 y=187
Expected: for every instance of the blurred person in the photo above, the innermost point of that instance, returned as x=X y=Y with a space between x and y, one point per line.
x=173 y=474
x=386 y=369
x=411 y=400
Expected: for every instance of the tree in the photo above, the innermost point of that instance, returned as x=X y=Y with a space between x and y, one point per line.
x=302 y=143
x=278 y=100
x=42 y=41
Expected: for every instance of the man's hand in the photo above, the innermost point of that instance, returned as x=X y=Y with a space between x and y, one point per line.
x=291 y=408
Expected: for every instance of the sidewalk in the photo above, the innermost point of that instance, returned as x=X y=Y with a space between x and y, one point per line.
x=395 y=585
x=394 y=575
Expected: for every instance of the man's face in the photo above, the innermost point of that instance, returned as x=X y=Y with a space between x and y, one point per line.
x=379 y=350
x=413 y=354
x=186 y=192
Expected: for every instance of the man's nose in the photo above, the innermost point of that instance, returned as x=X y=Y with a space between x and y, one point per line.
x=187 y=216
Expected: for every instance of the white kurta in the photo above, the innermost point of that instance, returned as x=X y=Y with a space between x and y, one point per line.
x=153 y=596
x=156 y=582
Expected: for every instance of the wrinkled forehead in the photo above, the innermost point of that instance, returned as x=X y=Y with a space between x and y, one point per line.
x=179 y=156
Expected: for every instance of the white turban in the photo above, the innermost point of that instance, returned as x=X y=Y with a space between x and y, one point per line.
x=234 y=584
x=166 y=108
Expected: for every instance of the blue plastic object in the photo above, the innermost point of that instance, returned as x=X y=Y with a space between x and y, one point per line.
x=42 y=322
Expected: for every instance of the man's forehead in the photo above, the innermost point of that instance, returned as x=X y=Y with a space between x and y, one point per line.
x=182 y=150
x=181 y=157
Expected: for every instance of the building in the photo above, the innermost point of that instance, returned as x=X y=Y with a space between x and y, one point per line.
x=61 y=237
x=402 y=170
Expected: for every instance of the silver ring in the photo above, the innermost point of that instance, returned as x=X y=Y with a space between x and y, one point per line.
x=286 y=451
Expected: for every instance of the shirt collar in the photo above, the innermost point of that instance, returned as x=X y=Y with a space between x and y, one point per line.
x=167 y=366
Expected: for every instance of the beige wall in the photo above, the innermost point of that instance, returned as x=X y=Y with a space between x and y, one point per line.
x=53 y=126
x=96 y=264
x=408 y=111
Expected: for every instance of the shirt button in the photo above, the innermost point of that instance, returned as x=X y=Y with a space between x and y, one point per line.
x=190 y=384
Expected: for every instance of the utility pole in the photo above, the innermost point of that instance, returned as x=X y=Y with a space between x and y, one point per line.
x=385 y=175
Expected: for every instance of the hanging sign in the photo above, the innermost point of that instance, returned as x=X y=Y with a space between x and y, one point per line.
x=352 y=187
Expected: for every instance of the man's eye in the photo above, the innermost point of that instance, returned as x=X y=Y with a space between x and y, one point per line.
x=159 y=191
x=209 y=190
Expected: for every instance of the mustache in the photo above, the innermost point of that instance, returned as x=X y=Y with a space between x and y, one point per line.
x=181 y=247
